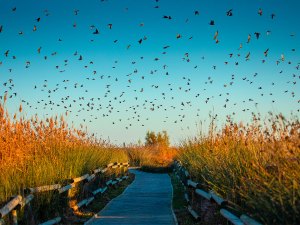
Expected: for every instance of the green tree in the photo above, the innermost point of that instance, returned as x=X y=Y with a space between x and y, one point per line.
x=161 y=139
x=151 y=139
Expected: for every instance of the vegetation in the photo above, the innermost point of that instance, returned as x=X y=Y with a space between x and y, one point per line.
x=180 y=205
x=36 y=152
x=159 y=140
x=155 y=154
x=257 y=167
x=179 y=201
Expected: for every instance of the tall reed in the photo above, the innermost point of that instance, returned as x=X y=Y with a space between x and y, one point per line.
x=256 y=166
x=36 y=152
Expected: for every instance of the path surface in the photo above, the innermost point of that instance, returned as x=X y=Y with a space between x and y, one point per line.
x=147 y=201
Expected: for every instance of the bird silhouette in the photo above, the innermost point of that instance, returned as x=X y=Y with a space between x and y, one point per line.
x=159 y=74
x=229 y=13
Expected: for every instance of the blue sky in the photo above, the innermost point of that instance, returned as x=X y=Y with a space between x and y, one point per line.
x=127 y=90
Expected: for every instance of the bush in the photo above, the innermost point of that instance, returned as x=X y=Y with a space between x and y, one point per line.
x=159 y=140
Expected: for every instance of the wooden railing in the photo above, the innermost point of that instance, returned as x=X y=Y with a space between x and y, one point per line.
x=225 y=208
x=18 y=202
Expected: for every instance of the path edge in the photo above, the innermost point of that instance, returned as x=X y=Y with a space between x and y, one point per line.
x=95 y=216
x=174 y=216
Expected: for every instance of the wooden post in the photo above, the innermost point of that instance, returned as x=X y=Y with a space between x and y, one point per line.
x=14 y=217
x=72 y=201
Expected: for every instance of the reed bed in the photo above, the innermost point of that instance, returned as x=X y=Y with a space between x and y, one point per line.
x=255 y=166
x=36 y=152
x=151 y=157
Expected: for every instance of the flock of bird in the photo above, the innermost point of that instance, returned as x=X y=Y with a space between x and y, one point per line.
x=132 y=97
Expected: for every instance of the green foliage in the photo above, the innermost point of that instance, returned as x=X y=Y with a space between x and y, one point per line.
x=161 y=139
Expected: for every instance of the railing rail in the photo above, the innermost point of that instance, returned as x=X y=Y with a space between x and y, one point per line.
x=184 y=176
x=17 y=202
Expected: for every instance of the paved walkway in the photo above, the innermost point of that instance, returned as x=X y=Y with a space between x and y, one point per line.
x=147 y=201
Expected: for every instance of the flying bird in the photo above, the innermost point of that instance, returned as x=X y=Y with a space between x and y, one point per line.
x=249 y=38
x=273 y=16
x=257 y=34
x=167 y=17
x=96 y=31
x=229 y=12
x=178 y=36
x=6 y=53
x=216 y=35
x=266 y=52
x=248 y=56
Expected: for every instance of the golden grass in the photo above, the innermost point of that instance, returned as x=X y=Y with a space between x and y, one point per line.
x=257 y=166
x=155 y=156
x=36 y=152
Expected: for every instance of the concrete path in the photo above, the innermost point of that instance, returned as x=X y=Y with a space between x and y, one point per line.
x=147 y=201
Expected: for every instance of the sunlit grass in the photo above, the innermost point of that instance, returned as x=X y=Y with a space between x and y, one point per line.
x=256 y=166
x=36 y=152
x=151 y=157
